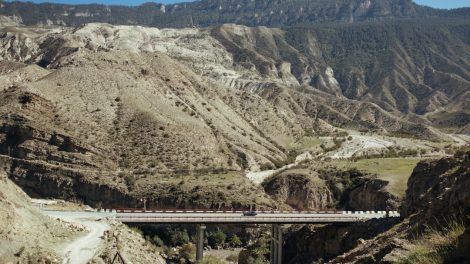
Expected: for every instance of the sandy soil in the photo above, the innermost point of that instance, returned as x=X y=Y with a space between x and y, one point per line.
x=82 y=250
x=360 y=144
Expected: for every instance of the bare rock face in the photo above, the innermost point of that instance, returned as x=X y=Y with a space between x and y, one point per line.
x=439 y=189
x=331 y=188
x=301 y=191
x=17 y=47
x=26 y=234
x=371 y=195
x=311 y=243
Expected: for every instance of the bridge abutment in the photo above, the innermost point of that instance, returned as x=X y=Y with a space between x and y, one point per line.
x=276 y=244
x=200 y=230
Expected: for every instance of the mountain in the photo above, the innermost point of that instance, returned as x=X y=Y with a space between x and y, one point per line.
x=409 y=69
x=215 y=12
x=212 y=114
x=405 y=58
x=117 y=113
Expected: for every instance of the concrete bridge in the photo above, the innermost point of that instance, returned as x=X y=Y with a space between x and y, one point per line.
x=275 y=218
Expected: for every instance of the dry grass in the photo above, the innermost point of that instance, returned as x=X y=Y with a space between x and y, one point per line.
x=435 y=246
x=223 y=187
x=308 y=143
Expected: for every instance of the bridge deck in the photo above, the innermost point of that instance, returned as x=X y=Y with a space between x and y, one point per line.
x=228 y=217
x=235 y=217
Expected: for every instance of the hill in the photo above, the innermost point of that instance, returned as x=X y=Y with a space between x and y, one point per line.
x=117 y=113
x=215 y=12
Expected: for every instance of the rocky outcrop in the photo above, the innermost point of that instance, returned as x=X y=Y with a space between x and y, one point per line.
x=300 y=191
x=437 y=197
x=439 y=190
x=17 y=47
x=26 y=235
x=312 y=188
x=313 y=243
x=328 y=188
x=371 y=195
x=358 y=191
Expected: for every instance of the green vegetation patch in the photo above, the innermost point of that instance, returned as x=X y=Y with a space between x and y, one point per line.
x=307 y=143
x=395 y=170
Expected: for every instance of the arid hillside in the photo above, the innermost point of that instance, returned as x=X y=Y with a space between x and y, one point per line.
x=26 y=235
x=114 y=114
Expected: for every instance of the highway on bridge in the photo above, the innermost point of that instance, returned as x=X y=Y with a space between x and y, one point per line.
x=241 y=217
x=228 y=217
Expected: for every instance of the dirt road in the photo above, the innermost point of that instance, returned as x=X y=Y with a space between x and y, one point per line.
x=84 y=248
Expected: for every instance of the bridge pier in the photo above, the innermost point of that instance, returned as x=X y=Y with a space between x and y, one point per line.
x=200 y=229
x=276 y=244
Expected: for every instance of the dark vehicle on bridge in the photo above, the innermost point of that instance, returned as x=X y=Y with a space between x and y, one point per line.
x=250 y=213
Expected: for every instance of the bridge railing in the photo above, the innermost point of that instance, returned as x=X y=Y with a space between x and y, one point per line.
x=137 y=210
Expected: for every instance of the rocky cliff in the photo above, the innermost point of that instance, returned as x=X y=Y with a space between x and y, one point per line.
x=316 y=188
x=436 y=218
x=320 y=243
x=302 y=191
x=438 y=190
x=434 y=225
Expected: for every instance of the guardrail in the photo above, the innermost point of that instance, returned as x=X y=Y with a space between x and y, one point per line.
x=239 y=220
x=195 y=211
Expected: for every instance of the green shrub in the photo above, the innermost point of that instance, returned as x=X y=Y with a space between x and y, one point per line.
x=216 y=238
x=156 y=240
x=137 y=230
x=235 y=241
x=179 y=237
x=130 y=181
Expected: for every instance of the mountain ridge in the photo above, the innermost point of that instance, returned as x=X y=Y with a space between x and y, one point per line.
x=215 y=12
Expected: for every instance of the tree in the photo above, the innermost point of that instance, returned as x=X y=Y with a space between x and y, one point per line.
x=179 y=237
x=216 y=238
x=235 y=241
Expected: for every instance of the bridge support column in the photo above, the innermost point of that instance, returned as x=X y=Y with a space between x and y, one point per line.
x=200 y=229
x=276 y=244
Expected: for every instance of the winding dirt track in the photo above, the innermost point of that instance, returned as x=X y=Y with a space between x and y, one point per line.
x=84 y=248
